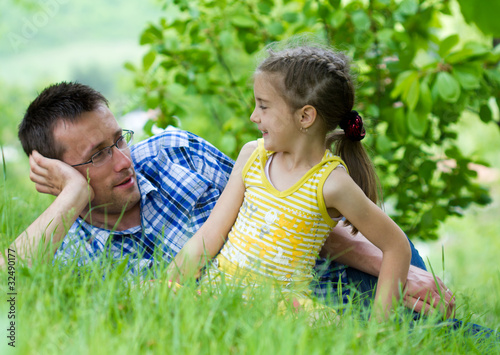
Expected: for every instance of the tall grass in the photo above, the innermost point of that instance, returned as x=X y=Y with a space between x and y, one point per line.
x=471 y=268
x=63 y=309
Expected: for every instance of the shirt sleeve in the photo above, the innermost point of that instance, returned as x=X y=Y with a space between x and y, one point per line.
x=188 y=150
x=85 y=245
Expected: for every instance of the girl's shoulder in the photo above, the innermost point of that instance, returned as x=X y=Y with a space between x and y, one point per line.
x=338 y=182
x=245 y=153
x=340 y=190
x=249 y=148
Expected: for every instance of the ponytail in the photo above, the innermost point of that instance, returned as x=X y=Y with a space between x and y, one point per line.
x=358 y=162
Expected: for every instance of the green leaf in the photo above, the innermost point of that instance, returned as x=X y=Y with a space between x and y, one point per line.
x=168 y=64
x=483 y=13
x=469 y=51
x=383 y=144
x=424 y=59
x=179 y=25
x=148 y=127
x=242 y=21
x=447 y=86
x=398 y=124
x=323 y=10
x=439 y=213
x=458 y=56
x=276 y=28
x=408 y=7
x=417 y=124
x=153 y=100
x=427 y=221
x=290 y=17
x=129 y=66
x=148 y=60
x=425 y=99
x=385 y=35
x=427 y=169
x=485 y=113
x=484 y=199
x=335 y=3
x=226 y=39
x=447 y=44
x=151 y=35
x=251 y=46
x=412 y=94
x=493 y=75
x=477 y=49
x=403 y=82
x=338 y=18
x=453 y=153
x=264 y=8
x=360 y=20
x=468 y=77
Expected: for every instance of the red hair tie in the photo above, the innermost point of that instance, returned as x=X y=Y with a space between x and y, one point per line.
x=352 y=124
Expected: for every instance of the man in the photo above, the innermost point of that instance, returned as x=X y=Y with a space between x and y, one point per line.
x=145 y=202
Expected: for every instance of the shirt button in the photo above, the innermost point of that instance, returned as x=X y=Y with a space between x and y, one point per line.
x=148 y=230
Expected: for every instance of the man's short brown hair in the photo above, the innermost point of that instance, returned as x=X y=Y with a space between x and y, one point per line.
x=63 y=101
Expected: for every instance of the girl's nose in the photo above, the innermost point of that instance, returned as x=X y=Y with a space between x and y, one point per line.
x=254 y=117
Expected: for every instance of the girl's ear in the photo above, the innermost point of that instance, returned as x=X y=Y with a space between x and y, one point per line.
x=308 y=116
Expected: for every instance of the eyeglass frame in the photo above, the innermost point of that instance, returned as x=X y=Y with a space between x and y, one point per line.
x=110 y=148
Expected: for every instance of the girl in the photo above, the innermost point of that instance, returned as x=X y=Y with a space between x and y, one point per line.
x=288 y=190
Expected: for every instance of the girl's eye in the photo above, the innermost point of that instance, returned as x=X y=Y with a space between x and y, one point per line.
x=262 y=107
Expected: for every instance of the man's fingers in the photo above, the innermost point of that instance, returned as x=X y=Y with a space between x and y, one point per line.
x=418 y=305
x=429 y=304
x=36 y=158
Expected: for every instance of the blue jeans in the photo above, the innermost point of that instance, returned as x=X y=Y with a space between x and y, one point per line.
x=365 y=283
x=331 y=275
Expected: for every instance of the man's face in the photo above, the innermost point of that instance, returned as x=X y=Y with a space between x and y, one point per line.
x=114 y=183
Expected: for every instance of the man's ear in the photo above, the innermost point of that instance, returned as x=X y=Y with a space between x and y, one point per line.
x=308 y=115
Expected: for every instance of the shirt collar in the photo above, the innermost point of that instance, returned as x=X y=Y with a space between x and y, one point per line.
x=145 y=186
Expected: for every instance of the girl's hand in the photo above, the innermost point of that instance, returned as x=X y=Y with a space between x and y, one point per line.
x=52 y=176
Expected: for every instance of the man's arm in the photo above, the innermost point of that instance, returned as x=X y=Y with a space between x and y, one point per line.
x=73 y=193
x=423 y=291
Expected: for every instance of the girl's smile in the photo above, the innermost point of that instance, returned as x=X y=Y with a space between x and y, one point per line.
x=272 y=114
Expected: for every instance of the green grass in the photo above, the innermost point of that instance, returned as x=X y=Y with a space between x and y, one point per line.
x=471 y=251
x=60 y=309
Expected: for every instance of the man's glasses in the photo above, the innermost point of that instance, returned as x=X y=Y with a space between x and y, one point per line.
x=102 y=157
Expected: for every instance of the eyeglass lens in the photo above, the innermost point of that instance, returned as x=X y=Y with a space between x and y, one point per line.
x=122 y=143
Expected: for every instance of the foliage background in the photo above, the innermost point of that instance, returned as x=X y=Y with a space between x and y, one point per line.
x=417 y=78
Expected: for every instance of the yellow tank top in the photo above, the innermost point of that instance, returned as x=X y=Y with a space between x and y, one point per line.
x=278 y=234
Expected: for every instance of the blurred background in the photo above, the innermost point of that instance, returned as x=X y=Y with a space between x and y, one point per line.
x=126 y=50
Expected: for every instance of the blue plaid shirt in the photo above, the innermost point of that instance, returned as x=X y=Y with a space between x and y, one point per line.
x=180 y=178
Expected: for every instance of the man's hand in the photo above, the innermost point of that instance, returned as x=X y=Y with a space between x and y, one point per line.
x=52 y=176
x=423 y=294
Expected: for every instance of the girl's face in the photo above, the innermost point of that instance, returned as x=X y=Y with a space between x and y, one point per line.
x=272 y=114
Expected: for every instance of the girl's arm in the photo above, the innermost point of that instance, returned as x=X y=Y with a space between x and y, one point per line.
x=342 y=194
x=208 y=240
